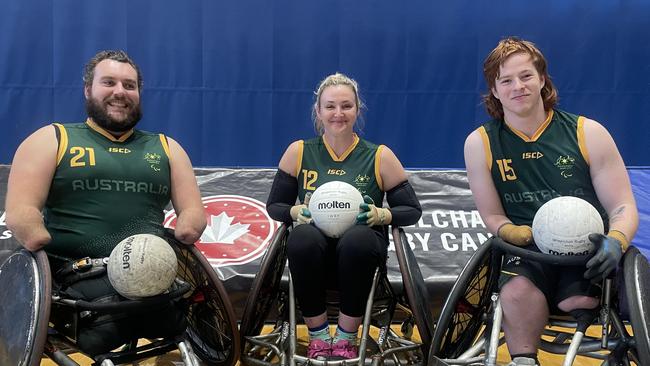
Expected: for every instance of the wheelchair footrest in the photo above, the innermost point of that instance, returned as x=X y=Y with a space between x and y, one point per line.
x=152 y=349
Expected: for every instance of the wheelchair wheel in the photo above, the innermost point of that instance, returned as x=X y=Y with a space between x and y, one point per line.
x=463 y=314
x=212 y=328
x=26 y=287
x=414 y=287
x=637 y=280
x=266 y=285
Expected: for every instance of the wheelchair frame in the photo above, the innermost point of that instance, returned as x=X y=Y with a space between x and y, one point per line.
x=211 y=334
x=468 y=330
x=279 y=347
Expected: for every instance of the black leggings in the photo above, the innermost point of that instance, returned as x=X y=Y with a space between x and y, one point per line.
x=354 y=256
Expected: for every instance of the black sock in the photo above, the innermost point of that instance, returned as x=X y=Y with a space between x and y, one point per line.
x=527 y=355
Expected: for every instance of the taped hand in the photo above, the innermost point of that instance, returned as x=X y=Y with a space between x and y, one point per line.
x=519 y=235
x=300 y=213
x=606 y=259
x=372 y=215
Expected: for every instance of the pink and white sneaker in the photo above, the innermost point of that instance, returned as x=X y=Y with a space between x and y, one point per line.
x=319 y=348
x=344 y=349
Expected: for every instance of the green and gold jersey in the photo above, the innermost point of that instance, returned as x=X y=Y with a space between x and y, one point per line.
x=527 y=172
x=359 y=166
x=105 y=189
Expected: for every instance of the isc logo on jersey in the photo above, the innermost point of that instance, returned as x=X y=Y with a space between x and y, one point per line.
x=238 y=231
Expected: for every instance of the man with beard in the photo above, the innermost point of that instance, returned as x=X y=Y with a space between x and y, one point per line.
x=77 y=190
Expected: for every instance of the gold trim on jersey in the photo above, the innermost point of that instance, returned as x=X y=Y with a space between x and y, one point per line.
x=537 y=133
x=380 y=183
x=107 y=134
x=486 y=146
x=165 y=144
x=347 y=151
x=301 y=149
x=509 y=273
x=63 y=142
x=582 y=142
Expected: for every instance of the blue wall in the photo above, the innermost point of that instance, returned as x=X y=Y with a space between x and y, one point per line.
x=233 y=80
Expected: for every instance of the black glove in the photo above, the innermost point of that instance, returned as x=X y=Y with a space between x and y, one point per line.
x=606 y=258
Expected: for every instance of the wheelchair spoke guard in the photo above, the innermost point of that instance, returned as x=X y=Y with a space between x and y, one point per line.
x=26 y=286
x=414 y=287
x=266 y=285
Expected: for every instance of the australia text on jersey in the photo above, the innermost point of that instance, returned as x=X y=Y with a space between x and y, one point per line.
x=119 y=186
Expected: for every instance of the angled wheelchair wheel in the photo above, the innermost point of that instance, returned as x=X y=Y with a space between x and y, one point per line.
x=212 y=327
x=463 y=314
x=266 y=285
x=637 y=281
x=414 y=287
x=26 y=288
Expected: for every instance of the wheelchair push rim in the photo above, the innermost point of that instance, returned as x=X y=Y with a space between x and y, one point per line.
x=637 y=282
x=462 y=315
x=212 y=327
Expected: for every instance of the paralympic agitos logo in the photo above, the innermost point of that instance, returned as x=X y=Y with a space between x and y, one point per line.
x=238 y=231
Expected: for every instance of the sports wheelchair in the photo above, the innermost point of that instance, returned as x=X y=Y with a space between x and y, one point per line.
x=272 y=296
x=37 y=319
x=468 y=331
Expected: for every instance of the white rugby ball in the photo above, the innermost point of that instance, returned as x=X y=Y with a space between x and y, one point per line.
x=334 y=207
x=562 y=226
x=142 y=265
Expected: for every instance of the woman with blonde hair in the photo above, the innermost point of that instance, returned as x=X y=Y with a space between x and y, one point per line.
x=338 y=154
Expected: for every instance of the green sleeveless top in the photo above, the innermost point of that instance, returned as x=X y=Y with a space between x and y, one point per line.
x=527 y=172
x=105 y=189
x=359 y=166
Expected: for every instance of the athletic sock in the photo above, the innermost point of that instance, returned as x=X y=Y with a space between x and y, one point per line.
x=321 y=332
x=342 y=334
x=526 y=355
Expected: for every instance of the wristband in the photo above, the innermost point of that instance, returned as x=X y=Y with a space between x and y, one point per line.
x=620 y=236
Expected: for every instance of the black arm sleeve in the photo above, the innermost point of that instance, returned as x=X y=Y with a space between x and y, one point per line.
x=404 y=205
x=282 y=197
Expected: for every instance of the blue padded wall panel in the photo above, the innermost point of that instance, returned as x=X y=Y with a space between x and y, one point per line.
x=306 y=43
x=173 y=49
x=35 y=106
x=26 y=47
x=238 y=45
x=176 y=120
x=244 y=72
x=289 y=106
x=80 y=29
x=373 y=45
x=440 y=127
x=234 y=130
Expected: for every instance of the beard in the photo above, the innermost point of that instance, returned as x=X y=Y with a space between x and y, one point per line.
x=98 y=112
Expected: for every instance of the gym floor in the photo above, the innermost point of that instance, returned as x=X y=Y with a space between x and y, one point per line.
x=173 y=358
